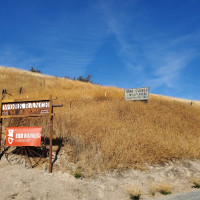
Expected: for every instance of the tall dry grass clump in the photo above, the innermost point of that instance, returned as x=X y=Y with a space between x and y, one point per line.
x=134 y=192
x=104 y=130
x=164 y=188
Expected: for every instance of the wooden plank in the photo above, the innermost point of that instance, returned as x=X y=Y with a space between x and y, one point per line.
x=50 y=144
x=51 y=134
x=25 y=108
x=16 y=116
x=58 y=105
x=23 y=100
x=50 y=107
x=0 y=108
x=0 y=132
x=0 y=124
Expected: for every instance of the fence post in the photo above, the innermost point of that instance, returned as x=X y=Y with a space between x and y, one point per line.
x=50 y=145
x=51 y=134
x=0 y=124
x=0 y=132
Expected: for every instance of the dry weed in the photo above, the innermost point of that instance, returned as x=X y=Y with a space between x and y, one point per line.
x=134 y=192
x=196 y=182
x=105 y=131
x=163 y=188
x=152 y=189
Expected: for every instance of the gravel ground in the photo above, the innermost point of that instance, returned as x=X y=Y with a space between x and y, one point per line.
x=19 y=183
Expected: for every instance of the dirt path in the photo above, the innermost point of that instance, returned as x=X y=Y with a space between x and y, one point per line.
x=17 y=182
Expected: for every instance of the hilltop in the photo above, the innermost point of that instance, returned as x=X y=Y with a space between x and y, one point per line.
x=104 y=132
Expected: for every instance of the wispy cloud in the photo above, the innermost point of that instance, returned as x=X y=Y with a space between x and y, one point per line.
x=71 y=59
x=170 y=58
x=69 y=46
x=63 y=45
x=168 y=69
x=119 y=20
x=149 y=54
x=15 y=56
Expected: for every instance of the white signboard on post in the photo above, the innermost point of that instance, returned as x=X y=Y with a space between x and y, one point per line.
x=140 y=94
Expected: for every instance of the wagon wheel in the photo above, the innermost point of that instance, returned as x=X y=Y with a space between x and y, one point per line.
x=30 y=157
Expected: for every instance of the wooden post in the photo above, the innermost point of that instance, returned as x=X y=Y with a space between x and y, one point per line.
x=0 y=124
x=51 y=135
x=50 y=145
x=0 y=132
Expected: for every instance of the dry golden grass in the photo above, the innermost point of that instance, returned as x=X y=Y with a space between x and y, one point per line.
x=107 y=132
x=165 y=188
x=196 y=182
x=186 y=101
x=152 y=189
x=162 y=187
x=134 y=192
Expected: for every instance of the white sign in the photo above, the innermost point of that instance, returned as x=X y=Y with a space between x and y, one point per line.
x=137 y=94
x=28 y=105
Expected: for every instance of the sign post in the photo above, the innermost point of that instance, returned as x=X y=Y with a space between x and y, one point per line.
x=137 y=94
x=0 y=132
x=51 y=135
x=29 y=108
x=0 y=125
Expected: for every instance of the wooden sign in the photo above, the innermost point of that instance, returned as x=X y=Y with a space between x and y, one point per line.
x=29 y=108
x=23 y=136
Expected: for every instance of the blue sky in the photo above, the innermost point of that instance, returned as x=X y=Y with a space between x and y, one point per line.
x=127 y=44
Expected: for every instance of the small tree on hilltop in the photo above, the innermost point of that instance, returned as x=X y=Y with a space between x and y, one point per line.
x=35 y=70
x=88 y=79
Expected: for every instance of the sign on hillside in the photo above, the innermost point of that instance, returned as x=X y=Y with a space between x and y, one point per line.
x=25 y=108
x=137 y=94
x=27 y=136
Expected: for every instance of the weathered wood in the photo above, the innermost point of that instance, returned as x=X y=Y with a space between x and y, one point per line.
x=25 y=108
x=0 y=132
x=51 y=134
x=18 y=116
x=0 y=125
x=58 y=105
x=50 y=106
x=23 y=100
x=50 y=144
x=0 y=108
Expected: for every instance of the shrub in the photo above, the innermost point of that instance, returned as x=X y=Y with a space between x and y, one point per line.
x=196 y=182
x=134 y=192
x=165 y=188
x=152 y=190
x=77 y=173
x=35 y=70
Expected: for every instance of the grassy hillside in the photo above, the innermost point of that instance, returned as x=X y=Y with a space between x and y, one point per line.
x=108 y=132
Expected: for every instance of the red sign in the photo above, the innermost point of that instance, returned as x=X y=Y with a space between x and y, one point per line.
x=23 y=136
